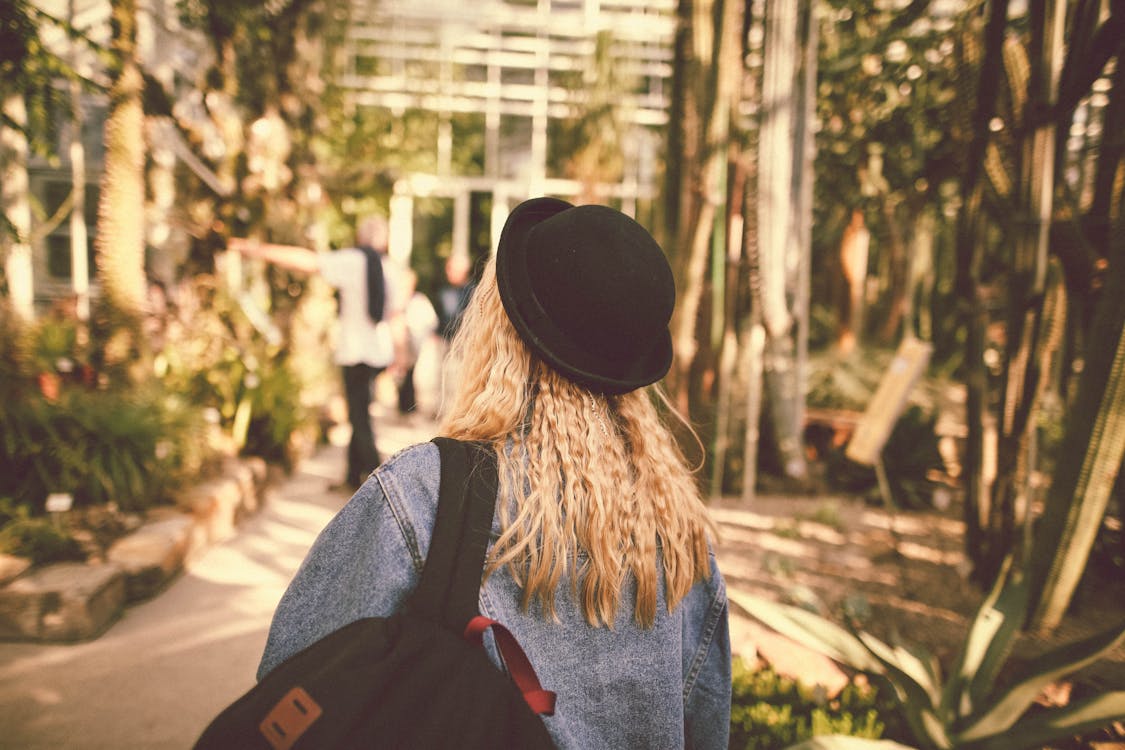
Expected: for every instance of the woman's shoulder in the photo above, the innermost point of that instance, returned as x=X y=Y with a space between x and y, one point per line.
x=412 y=459
x=410 y=481
x=414 y=468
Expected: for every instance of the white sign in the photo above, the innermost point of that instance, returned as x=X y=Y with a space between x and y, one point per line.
x=59 y=502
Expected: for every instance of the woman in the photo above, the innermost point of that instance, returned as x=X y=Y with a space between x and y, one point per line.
x=600 y=563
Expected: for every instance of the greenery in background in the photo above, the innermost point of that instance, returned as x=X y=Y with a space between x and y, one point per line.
x=38 y=539
x=770 y=711
x=891 y=146
x=124 y=442
x=29 y=67
x=223 y=356
x=129 y=449
x=276 y=412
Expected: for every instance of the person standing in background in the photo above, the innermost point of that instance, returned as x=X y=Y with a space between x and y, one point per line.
x=452 y=298
x=369 y=294
x=420 y=322
x=454 y=294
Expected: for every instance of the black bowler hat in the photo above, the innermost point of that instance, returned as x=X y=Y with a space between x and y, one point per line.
x=589 y=291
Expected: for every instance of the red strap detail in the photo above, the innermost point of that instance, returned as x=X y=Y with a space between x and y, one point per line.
x=519 y=666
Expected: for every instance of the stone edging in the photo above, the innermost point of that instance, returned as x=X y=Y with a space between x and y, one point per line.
x=79 y=601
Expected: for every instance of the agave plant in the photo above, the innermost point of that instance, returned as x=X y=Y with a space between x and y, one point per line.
x=968 y=709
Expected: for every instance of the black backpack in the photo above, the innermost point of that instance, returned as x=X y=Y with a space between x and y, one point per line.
x=416 y=679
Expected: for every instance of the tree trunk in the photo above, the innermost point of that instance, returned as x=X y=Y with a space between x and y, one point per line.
x=79 y=255
x=971 y=312
x=682 y=189
x=804 y=147
x=17 y=209
x=777 y=235
x=1023 y=378
x=898 y=272
x=729 y=346
x=919 y=299
x=120 y=238
x=717 y=65
x=753 y=347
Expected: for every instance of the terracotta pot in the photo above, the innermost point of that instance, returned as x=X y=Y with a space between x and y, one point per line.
x=49 y=385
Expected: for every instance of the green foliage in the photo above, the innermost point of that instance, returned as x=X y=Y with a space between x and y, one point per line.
x=100 y=446
x=892 y=142
x=54 y=344
x=770 y=711
x=14 y=354
x=787 y=530
x=588 y=146
x=971 y=707
x=10 y=511
x=846 y=382
x=276 y=412
x=225 y=358
x=38 y=539
x=910 y=455
x=28 y=67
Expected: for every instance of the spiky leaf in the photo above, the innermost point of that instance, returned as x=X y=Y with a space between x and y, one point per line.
x=1047 y=668
x=1055 y=724
x=990 y=639
x=808 y=629
x=917 y=703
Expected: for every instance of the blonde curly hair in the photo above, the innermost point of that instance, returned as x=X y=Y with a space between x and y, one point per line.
x=595 y=474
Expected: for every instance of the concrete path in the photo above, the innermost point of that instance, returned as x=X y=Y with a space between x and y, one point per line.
x=161 y=673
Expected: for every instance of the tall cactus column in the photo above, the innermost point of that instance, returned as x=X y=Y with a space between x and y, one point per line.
x=120 y=237
x=1090 y=455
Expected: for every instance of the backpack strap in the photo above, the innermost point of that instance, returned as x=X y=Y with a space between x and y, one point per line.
x=450 y=584
x=519 y=666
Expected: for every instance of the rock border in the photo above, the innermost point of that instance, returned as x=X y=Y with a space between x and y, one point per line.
x=67 y=602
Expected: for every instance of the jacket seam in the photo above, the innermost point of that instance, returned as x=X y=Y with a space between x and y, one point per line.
x=715 y=614
x=406 y=529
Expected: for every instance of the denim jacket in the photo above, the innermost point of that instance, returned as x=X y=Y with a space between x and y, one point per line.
x=667 y=686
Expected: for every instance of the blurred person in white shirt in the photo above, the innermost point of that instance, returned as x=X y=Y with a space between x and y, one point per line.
x=371 y=299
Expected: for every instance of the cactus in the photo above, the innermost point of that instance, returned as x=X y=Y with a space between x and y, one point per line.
x=1089 y=457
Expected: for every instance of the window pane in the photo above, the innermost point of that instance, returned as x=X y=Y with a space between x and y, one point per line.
x=91 y=212
x=58 y=256
x=54 y=193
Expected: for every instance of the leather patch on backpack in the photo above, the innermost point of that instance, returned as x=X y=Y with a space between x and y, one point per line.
x=289 y=719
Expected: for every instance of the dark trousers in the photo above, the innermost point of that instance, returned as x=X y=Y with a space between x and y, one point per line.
x=407 y=400
x=363 y=457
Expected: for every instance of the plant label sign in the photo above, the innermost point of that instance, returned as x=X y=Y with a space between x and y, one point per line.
x=887 y=404
x=59 y=502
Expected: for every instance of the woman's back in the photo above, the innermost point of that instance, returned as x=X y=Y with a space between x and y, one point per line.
x=629 y=687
